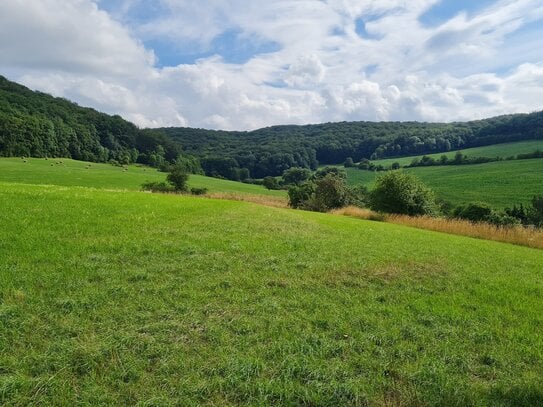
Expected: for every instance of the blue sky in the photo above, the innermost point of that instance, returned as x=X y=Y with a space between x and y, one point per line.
x=235 y=64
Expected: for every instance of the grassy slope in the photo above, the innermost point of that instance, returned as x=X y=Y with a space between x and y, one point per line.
x=501 y=184
x=496 y=150
x=105 y=176
x=117 y=297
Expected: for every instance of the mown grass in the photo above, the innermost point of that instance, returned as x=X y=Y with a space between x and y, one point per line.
x=496 y=150
x=66 y=172
x=501 y=184
x=127 y=298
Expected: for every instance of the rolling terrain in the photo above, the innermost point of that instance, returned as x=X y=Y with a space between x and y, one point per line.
x=67 y=172
x=496 y=150
x=120 y=297
x=501 y=184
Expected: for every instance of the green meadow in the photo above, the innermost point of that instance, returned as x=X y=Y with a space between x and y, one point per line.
x=496 y=150
x=117 y=297
x=501 y=183
x=66 y=172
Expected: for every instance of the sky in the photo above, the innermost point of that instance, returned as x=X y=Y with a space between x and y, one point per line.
x=246 y=64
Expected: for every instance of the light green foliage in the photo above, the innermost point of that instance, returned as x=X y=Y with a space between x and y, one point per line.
x=501 y=184
x=127 y=298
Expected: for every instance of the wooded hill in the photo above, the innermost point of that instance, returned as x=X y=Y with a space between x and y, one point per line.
x=39 y=125
x=271 y=150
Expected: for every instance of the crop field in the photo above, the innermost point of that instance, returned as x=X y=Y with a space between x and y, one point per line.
x=501 y=184
x=496 y=150
x=66 y=172
x=122 y=298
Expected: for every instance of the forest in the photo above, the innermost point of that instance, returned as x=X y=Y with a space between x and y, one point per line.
x=38 y=125
x=270 y=151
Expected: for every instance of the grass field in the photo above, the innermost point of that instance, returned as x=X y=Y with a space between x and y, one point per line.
x=125 y=298
x=500 y=184
x=67 y=172
x=495 y=150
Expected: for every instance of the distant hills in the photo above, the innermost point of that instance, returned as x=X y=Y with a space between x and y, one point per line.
x=271 y=150
x=37 y=124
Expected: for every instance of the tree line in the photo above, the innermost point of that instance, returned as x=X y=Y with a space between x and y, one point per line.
x=39 y=125
x=269 y=151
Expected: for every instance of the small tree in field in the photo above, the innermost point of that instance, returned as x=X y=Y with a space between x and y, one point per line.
x=178 y=178
x=402 y=193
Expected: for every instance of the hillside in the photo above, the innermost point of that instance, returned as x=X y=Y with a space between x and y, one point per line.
x=271 y=150
x=39 y=125
x=67 y=172
x=230 y=303
x=501 y=184
x=493 y=151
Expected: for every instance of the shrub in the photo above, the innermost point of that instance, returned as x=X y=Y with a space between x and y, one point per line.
x=330 y=193
x=198 y=191
x=158 y=187
x=475 y=212
x=296 y=175
x=299 y=195
x=348 y=163
x=402 y=193
x=271 y=183
x=395 y=166
x=323 y=172
x=178 y=178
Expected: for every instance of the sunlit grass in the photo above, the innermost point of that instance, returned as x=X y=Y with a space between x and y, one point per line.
x=127 y=298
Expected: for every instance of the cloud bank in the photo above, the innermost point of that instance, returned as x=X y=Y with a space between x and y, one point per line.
x=243 y=65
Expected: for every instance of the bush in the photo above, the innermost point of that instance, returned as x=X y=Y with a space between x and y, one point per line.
x=271 y=183
x=299 y=195
x=198 y=191
x=296 y=175
x=178 y=178
x=158 y=187
x=330 y=193
x=475 y=212
x=402 y=193
x=348 y=163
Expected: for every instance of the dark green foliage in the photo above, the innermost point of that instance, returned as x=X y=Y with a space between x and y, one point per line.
x=299 y=195
x=395 y=166
x=272 y=150
x=38 y=125
x=402 y=193
x=475 y=212
x=178 y=178
x=296 y=175
x=198 y=191
x=337 y=172
x=271 y=183
x=158 y=187
x=324 y=193
x=348 y=162
x=482 y=212
x=330 y=193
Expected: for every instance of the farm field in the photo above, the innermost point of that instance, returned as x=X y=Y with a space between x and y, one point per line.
x=501 y=184
x=496 y=150
x=123 y=298
x=66 y=172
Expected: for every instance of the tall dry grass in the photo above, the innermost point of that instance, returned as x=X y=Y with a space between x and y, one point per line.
x=273 y=201
x=516 y=235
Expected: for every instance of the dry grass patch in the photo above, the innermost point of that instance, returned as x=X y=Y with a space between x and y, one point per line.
x=516 y=235
x=266 y=200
